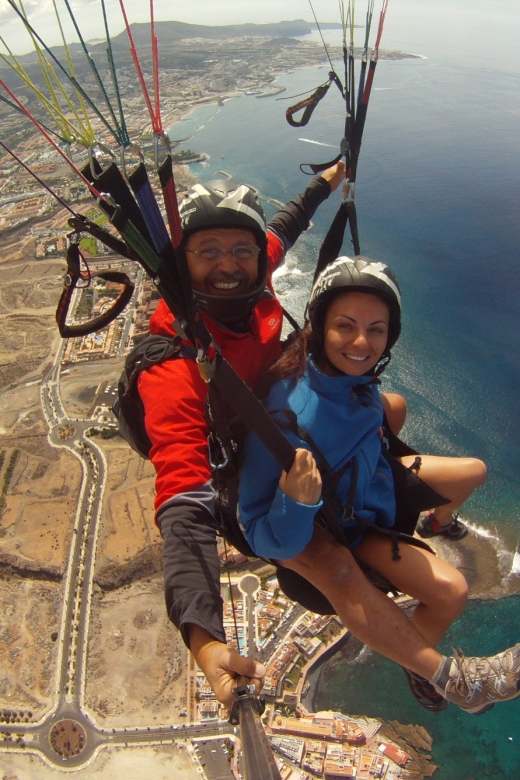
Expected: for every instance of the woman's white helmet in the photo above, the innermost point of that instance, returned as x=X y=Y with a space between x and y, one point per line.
x=356 y=274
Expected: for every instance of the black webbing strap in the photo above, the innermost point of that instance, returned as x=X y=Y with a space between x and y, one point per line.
x=315 y=168
x=307 y=106
x=81 y=224
x=165 y=171
x=333 y=241
x=252 y=412
x=75 y=275
x=110 y=180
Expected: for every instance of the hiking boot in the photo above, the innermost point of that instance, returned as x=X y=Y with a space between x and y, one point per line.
x=428 y=526
x=477 y=684
x=424 y=692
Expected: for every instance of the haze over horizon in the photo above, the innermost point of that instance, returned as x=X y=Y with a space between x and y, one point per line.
x=449 y=28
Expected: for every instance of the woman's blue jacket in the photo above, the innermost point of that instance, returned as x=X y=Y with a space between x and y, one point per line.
x=343 y=415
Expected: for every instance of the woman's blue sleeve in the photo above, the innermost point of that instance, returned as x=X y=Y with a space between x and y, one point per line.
x=276 y=526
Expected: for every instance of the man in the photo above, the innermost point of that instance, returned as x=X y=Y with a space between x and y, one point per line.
x=230 y=257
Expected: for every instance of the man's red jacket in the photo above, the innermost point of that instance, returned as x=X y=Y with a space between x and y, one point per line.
x=174 y=395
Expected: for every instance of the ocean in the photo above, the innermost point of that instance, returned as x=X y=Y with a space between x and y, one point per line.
x=437 y=197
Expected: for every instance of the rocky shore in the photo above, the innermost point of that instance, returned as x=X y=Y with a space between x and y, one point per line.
x=489 y=576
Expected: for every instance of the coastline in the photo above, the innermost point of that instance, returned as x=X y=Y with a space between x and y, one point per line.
x=477 y=557
x=180 y=115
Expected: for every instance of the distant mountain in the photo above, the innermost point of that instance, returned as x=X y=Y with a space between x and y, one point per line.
x=172 y=31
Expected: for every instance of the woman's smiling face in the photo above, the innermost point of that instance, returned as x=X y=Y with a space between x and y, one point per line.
x=355 y=333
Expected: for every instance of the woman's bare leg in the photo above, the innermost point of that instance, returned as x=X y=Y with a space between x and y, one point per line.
x=453 y=478
x=367 y=612
x=440 y=589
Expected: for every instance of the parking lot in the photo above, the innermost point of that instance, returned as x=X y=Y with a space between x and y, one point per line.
x=214 y=758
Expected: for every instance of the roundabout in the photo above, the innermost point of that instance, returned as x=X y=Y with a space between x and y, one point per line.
x=67 y=738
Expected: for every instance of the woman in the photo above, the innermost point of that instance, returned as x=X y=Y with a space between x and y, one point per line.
x=328 y=379
x=326 y=395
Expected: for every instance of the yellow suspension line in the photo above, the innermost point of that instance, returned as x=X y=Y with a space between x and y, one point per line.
x=89 y=132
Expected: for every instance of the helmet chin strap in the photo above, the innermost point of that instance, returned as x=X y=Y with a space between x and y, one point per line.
x=384 y=360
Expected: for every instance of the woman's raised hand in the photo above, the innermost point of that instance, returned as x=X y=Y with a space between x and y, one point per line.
x=302 y=482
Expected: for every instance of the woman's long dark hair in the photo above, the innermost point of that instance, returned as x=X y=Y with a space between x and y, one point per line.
x=292 y=361
x=309 y=341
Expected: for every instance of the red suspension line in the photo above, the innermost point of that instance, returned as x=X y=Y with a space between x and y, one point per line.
x=382 y=17
x=155 y=69
x=156 y=125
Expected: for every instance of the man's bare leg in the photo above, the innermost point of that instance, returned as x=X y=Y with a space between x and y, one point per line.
x=367 y=612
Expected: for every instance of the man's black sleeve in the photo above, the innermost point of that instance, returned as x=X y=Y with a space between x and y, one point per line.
x=191 y=569
x=290 y=221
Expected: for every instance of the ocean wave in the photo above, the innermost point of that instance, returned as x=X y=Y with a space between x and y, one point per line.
x=317 y=143
x=289 y=267
x=508 y=560
x=515 y=565
x=362 y=657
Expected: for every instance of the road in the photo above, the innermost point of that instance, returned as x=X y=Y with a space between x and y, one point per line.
x=72 y=660
x=71 y=434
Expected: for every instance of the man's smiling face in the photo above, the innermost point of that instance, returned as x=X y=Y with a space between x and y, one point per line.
x=213 y=267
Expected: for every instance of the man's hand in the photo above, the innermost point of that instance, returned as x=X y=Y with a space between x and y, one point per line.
x=222 y=665
x=302 y=482
x=335 y=175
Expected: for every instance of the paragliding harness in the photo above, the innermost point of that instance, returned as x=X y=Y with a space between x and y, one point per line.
x=226 y=430
x=225 y=440
x=413 y=496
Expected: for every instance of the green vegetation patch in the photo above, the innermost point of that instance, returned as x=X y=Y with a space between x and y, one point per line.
x=7 y=477
x=88 y=244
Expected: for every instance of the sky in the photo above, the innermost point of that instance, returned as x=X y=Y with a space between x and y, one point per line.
x=453 y=27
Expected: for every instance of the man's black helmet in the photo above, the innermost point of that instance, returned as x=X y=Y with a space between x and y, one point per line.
x=356 y=274
x=224 y=204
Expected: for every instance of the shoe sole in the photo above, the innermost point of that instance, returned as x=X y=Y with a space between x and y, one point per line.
x=425 y=703
x=440 y=535
x=486 y=707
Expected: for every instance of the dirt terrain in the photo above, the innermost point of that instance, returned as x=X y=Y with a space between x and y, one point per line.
x=29 y=292
x=168 y=761
x=136 y=661
x=136 y=668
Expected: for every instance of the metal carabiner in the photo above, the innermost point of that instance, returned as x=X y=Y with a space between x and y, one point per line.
x=122 y=156
x=213 y=443
x=158 y=139
x=92 y=158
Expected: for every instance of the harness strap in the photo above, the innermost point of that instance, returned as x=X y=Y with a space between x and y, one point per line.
x=308 y=105
x=152 y=216
x=111 y=180
x=73 y=277
x=333 y=241
x=165 y=171
x=81 y=224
